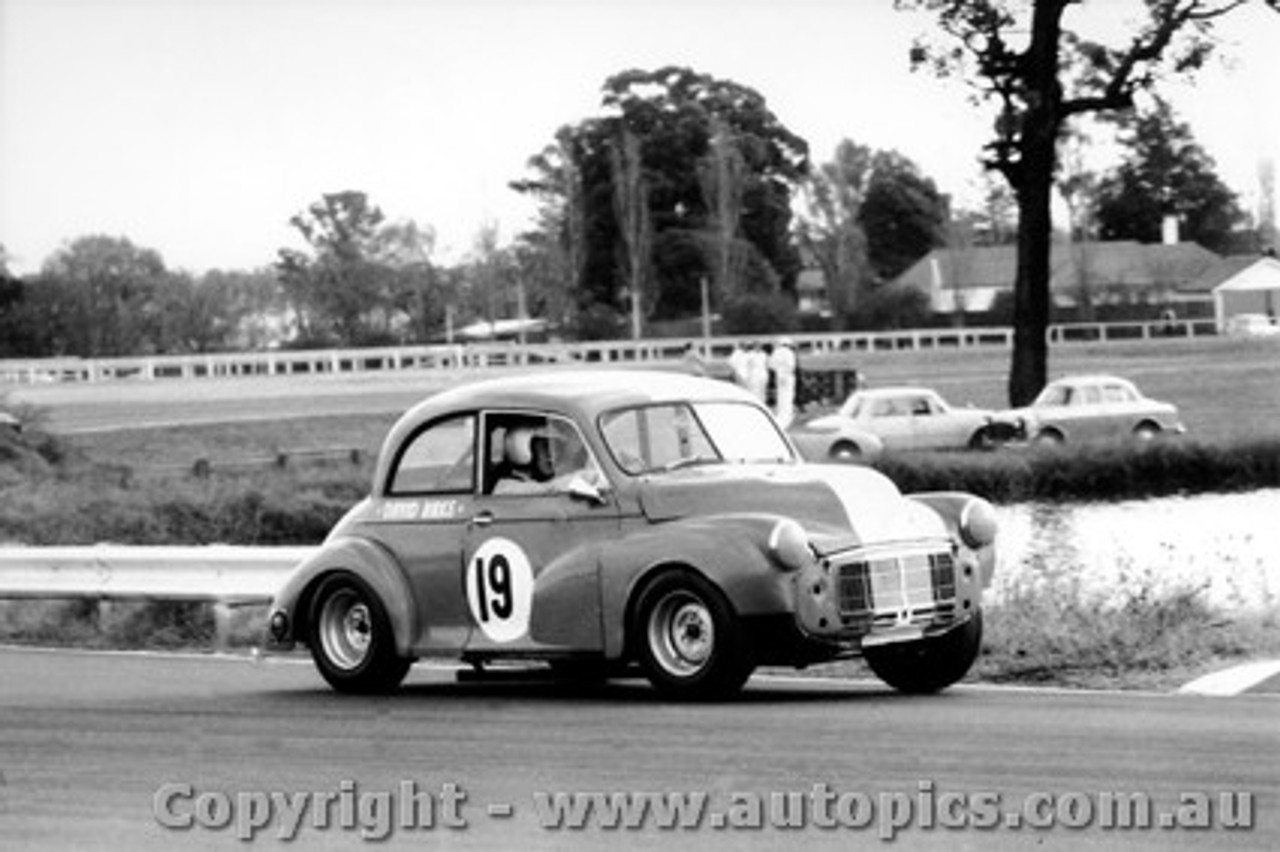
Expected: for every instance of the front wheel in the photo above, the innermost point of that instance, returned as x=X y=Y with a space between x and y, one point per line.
x=351 y=639
x=689 y=641
x=928 y=665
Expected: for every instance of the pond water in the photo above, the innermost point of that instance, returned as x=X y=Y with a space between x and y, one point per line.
x=1227 y=545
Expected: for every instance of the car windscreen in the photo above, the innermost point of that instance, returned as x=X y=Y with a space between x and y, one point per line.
x=668 y=436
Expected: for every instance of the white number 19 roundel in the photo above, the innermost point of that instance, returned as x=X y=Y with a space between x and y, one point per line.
x=500 y=589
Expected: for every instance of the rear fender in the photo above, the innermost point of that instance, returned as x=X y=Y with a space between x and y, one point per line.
x=364 y=559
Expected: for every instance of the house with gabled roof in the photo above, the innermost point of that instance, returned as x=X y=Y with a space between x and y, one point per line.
x=1243 y=284
x=1094 y=272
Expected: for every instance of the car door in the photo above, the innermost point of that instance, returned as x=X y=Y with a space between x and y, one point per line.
x=1123 y=409
x=932 y=428
x=889 y=418
x=1086 y=418
x=421 y=515
x=531 y=566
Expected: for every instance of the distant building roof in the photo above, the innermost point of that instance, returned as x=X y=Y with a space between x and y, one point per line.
x=1241 y=272
x=1114 y=263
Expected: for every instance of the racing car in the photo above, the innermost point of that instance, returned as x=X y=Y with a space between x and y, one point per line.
x=612 y=520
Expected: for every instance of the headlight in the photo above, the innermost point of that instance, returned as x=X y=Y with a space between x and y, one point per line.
x=789 y=545
x=977 y=523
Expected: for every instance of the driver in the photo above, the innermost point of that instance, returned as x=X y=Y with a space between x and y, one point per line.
x=527 y=463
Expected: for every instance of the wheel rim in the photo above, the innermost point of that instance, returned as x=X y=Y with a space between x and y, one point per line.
x=681 y=634
x=346 y=629
x=843 y=452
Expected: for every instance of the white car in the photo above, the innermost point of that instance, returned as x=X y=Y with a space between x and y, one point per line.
x=1084 y=408
x=912 y=418
x=1251 y=325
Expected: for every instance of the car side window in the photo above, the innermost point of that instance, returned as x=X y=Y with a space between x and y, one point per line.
x=529 y=453
x=1117 y=393
x=438 y=458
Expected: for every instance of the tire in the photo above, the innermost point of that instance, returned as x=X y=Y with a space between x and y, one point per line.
x=1050 y=438
x=845 y=451
x=1146 y=432
x=351 y=639
x=928 y=665
x=983 y=439
x=688 y=640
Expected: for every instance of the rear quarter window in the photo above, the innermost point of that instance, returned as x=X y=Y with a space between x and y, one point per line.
x=437 y=459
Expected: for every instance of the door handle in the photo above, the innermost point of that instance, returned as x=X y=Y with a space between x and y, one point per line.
x=482 y=519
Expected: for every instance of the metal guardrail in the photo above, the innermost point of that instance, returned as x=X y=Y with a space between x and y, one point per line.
x=514 y=354
x=223 y=575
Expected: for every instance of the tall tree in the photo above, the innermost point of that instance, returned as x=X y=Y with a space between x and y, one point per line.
x=903 y=215
x=105 y=295
x=867 y=216
x=631 y=204
x=349 y=288
x=671 y=112
x=1165 y=173
x=828 y=226
x=1040 y=74
x=722 y=172
x=553 y=252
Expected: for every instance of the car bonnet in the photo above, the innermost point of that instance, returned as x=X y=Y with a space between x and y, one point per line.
x=834 y=503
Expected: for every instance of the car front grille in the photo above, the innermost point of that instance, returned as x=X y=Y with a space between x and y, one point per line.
x=897 y=590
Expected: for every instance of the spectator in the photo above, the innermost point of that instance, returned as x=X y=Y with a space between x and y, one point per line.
x=738 y=364
x=757 y=372
x=782 y=364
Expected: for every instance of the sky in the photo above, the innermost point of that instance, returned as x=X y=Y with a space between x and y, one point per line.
x=199 y=127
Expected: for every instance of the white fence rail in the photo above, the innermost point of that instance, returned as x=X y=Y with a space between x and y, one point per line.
x=482 y=355
x=222 y=573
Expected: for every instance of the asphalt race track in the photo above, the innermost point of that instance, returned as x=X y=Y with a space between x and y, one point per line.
x=97 y=750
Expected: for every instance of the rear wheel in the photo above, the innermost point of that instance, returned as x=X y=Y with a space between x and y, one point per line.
x=688 y=639
x=928 y=665
x=845 y=451
x=351 y=639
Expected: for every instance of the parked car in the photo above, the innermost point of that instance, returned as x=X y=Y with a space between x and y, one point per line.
x=651 y=520
x=1251 y=325
x=835 y=441
x=1085 y=408
x=912 y=418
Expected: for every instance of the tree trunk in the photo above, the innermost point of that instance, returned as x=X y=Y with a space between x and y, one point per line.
x=1037 y=154
x=1030 y=367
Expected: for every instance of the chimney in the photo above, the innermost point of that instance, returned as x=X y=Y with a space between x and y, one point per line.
x=1169 y=230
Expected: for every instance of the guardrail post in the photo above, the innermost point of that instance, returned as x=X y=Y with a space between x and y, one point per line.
x=221 y=626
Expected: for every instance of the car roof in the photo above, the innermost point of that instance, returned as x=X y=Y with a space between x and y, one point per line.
x=586 y=391
x=1091 y=379
x=895 y=390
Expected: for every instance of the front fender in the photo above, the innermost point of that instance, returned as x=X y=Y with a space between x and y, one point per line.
x=366 y=560
x=730 y=552
x=950 y=506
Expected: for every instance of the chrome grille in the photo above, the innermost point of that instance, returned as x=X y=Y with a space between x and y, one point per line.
x=916 y=588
